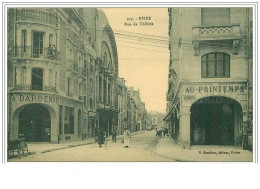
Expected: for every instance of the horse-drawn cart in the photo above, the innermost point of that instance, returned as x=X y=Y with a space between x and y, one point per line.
x=17 y=146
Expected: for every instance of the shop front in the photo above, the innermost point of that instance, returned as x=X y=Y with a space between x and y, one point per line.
x=40 y=117
x=214 y=121
x=210 y=114
x=107 y=119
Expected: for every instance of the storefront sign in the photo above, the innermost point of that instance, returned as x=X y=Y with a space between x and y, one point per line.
x=216 y=89
x=215 y=100
x=44 y=99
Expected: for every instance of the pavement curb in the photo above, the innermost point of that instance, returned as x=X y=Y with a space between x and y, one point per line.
x=76 y=145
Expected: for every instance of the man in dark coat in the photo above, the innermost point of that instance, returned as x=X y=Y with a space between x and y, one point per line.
x=114 y=135
x=101 y=138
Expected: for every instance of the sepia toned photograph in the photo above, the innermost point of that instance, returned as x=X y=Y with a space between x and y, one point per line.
x=130 y=84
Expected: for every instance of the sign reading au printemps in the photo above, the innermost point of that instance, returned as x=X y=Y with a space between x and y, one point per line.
x=44 y=99
x=215 y=89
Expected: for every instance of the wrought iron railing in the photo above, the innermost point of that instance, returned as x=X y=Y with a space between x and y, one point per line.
x=37 y=52
x=37 y=15
x=28 y=87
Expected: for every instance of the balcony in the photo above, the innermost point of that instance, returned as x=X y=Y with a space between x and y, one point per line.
x=71 y=65
x=36 y=52
x=216 y=33
x=37 y=15
x=25 y=87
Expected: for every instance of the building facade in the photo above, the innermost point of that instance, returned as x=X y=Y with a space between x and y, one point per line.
x=62 y=70
x=122 y=105
x=209 y=97
x=136 y=112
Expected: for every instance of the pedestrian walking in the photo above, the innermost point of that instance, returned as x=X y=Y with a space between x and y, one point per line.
x=127 y=137
x=114 y=134
x=101 y=138
x=163 y=133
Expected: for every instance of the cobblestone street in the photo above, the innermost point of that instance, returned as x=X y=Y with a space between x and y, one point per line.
x=142 y=148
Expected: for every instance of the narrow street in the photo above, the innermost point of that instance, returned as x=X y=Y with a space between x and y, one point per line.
x=142 y=148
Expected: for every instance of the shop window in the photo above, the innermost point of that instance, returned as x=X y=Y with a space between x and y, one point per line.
x=215 y=65
x=69 y=120
x=37 y=79
x=215 y=16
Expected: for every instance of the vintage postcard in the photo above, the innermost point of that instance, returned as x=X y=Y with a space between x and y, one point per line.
x=130 y=84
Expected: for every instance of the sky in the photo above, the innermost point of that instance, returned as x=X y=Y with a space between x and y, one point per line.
x=142 y=64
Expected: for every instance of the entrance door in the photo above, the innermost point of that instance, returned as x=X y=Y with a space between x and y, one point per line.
x=35 y=123
x=213 y=122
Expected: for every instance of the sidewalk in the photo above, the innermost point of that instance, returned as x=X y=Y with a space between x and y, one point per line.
x=35 y=147
x=167 y=148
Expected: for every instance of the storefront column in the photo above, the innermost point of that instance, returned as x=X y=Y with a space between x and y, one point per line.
x=62 y=122
x=185 y=126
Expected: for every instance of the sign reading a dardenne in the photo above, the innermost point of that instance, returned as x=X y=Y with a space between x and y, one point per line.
x=44 y=99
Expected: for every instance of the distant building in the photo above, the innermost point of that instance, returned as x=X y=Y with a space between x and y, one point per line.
x=209 y=97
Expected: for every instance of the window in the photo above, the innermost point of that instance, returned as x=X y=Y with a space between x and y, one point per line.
x=91 y=103
x=56 y=80
x=69 y=87
x=37 y=44
x=50 y=40
x=85 y=68
x=24 y=40
x=215 y=16
x=85 y=101
x=215 y=65
x=37 y=79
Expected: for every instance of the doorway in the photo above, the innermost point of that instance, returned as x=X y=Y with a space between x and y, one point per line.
x=35 y=123
x=213 y=121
